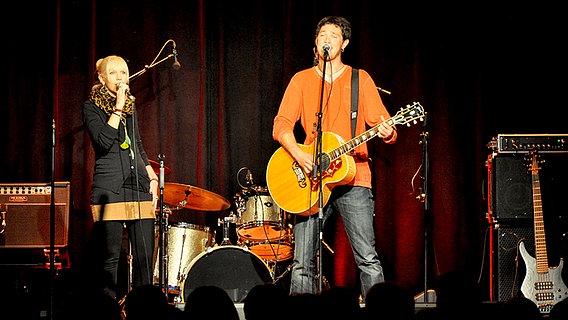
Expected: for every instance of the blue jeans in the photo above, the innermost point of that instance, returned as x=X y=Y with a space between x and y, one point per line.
x=356 y=207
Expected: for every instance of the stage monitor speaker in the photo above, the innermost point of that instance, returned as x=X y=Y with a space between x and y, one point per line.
x=510 y=265
x=25 y=213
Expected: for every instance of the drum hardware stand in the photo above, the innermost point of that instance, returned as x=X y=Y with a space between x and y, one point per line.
x=231 y=218
x=162 y=233
x=129 y=278
x=282 y=275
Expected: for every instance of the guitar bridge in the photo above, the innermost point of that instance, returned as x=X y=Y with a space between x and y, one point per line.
x=545 y=307
x=329 y=171
x=300 y=176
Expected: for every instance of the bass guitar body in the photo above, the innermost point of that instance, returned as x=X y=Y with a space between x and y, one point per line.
x=544 y=289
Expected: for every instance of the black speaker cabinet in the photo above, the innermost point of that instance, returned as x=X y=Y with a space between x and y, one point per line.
x=511 y=196
x=510 y=265
x=25 y=213
x=510 y=187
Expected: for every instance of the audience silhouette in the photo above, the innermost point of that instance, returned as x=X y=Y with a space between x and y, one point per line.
x=559 y=311
x=458 y=296
x=520 y=308
x=389 y=301
x=145 y=302
x=340 y=303
x=211 y=303
x=265 y=301
x=91 y=305
x=303 y=306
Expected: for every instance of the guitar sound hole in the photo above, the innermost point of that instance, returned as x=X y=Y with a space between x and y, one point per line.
x=325 y=162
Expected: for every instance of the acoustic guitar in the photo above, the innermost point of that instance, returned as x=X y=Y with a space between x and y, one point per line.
x=297 y=192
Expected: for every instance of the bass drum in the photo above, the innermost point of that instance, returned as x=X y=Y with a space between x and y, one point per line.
x=232 y=268
x=185 y=241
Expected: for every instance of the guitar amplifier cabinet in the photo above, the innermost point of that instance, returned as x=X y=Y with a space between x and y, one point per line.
x=25 y=215
x=510 y=187
x=510 y=266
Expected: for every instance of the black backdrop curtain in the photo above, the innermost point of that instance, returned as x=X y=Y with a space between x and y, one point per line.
x=478 y=69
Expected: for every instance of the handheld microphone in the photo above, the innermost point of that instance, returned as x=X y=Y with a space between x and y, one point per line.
x=120 y=84
x=176 y=65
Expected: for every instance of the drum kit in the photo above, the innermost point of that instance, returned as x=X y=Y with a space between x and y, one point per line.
x=190 y=257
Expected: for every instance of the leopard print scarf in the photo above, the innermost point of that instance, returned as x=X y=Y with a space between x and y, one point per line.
x=102 y=98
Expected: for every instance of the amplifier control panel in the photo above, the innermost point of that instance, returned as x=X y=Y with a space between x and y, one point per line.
x=523 y=143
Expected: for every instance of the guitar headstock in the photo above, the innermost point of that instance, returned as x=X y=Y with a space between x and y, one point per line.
x=534 y=159
x=409 y=114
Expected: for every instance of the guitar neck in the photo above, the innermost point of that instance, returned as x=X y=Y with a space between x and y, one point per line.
x=357 y=141
x=411 y=113
x=539 y=234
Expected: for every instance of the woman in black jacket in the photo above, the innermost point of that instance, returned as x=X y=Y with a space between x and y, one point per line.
x=125 y=186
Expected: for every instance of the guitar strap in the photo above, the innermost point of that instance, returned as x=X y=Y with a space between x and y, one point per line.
x=354 y=99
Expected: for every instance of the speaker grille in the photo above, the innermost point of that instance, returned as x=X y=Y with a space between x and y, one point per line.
x=512 y=192
x=510 y=266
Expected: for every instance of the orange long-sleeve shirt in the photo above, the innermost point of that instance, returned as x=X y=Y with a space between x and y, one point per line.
x=301 y=101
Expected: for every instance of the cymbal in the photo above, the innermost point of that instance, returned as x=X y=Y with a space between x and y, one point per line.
x=190 y=197
x=156 y=166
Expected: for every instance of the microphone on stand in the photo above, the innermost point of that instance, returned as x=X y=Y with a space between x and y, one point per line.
x=176 y=65
x=249 y=179
x=326 y=47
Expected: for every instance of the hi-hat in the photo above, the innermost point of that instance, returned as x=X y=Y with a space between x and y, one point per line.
x=156 y=166
x=180 y=196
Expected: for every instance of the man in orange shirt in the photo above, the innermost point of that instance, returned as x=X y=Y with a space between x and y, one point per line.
x=354 y=200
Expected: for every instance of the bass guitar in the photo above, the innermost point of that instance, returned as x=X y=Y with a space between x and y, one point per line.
x=296 y=192
x=542 y=284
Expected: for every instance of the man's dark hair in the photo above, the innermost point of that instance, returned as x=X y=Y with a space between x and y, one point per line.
x=338 y=21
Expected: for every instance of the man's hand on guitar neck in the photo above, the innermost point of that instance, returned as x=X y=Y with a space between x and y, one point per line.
x=387 y=132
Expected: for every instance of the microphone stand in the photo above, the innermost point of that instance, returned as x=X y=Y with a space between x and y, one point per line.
x=162 y=241
x=52 y=270
x=425 y=198
x=317 y=175
x=154 y=62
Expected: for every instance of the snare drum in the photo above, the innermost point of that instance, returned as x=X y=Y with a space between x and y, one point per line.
x=233 y=268
x=259 y=217
x=184 y=242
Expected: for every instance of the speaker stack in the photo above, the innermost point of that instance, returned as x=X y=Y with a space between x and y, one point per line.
x=510 y=206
